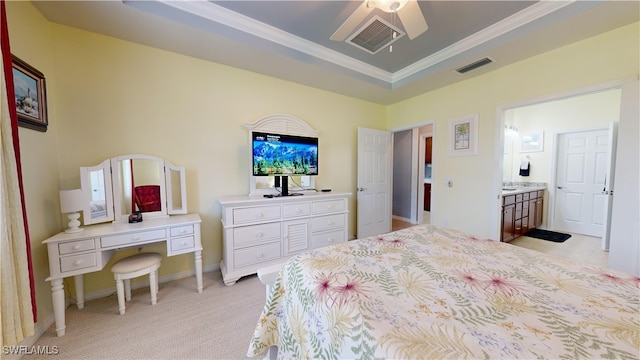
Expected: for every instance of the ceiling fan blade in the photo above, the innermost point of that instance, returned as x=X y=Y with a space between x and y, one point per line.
x=412 y=19
x=350 y=24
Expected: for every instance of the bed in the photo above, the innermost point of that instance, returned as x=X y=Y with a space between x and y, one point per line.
x=430 y=292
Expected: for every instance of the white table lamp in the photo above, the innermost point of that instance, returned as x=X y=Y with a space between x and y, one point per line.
x=71 y=203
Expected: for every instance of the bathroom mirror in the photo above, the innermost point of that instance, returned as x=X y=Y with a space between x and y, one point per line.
x=124 y=184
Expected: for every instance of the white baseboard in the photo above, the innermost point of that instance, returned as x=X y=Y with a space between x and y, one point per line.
x=401 y=218
x=42 y=326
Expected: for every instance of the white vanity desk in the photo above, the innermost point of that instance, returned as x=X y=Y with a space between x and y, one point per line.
x=108 y=230
x=89 y=251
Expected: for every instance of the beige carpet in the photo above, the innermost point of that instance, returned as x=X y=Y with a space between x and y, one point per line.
x=216 y=324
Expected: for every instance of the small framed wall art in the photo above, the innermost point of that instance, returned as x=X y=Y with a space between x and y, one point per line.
x=532 y=142
x=31 y=98
x=463 y=136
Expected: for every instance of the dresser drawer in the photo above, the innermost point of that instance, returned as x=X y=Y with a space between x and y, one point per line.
x=77 y=262
x=328 y=238
x=76 y=246
x=183 y=243
x=181 y=230
x=256 y=254
x=255 y=214
x=294 y=210
x=255 y=234
x=328 y=206
x=327 y=222
x=127 y=239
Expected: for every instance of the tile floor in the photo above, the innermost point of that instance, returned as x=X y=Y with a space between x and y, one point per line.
x=581 y=248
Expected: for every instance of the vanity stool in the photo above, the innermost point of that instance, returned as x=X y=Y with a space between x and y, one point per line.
x=131 y=267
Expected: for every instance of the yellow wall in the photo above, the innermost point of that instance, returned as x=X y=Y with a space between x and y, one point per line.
x=467 y=205
x=587 y=112
x=108 y=97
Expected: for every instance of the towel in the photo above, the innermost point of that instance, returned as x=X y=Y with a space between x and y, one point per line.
x=525 y=166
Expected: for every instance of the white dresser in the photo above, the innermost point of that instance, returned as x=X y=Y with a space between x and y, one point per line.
x=89 y=251
x=260 y=231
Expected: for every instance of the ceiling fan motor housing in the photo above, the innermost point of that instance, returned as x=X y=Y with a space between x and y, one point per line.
x=387 y=5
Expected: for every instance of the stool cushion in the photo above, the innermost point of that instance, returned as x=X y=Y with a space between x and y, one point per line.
x=136 y=262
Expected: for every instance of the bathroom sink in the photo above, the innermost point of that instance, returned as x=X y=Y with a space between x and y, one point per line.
x=509 y=189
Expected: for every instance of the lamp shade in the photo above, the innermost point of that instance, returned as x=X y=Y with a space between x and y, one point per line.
x=71 y=201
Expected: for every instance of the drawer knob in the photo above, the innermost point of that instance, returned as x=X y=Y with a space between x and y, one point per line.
x=330 y=240
x=76 y=246
x=330 y=222
x=136 y=238
x=183 y=231
x=260 y=215
x=259 y=234
x=77 y=262
x=259 y=255
x=184 y=243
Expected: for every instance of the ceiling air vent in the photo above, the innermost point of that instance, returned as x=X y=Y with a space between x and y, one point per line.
x=474 y=65
x=375 y=35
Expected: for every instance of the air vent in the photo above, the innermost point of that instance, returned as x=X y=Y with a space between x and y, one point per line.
x=474 y=65
x=375 y=35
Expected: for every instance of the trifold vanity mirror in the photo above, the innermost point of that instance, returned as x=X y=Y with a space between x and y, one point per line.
x=124 y=184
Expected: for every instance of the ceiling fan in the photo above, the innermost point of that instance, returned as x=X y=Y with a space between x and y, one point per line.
x=408 y=11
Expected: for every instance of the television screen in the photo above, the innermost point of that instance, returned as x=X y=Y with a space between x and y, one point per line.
x=276 y=154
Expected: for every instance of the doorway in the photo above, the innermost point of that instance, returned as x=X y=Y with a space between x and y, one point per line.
x=412 y=173
x=573 y=111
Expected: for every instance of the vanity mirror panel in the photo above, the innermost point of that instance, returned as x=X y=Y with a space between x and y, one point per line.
x=136 y=182
x=138 y=185
x=176 y=189
x=95 y=182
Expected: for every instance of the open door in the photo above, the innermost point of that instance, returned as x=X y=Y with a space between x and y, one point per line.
x=374 y=182
x=607 y=190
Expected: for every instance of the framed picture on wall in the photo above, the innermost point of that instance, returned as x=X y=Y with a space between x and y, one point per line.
x=463 y=136
x=31 y=99
x=532 y=142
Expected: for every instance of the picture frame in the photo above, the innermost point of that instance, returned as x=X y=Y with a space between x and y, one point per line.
x=532 y=142
x=463 y=136
x=30 y=95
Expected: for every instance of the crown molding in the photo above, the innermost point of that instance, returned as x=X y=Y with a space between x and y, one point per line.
x=221 y=15
x=500 y=28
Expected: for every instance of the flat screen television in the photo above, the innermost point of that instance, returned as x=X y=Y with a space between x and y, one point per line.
x=279 y=154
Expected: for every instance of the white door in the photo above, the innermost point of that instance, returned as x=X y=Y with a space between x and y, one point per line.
x=374 y=182
x=609 y=181
x=583 y=160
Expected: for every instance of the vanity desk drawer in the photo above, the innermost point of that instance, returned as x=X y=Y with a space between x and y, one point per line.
x=180 y=244
x=77 y=262
x=133 y=238
x=76 y=246
x=181 y=230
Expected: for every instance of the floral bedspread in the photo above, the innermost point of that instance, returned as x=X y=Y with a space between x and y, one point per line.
x=428 y=292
